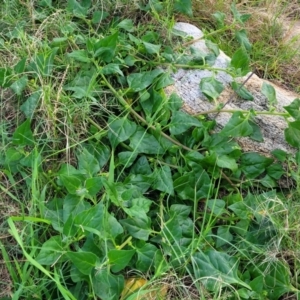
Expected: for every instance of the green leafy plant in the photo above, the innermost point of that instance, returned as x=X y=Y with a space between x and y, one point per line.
x=128 y=182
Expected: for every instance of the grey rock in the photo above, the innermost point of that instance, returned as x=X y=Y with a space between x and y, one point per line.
x=186 y=85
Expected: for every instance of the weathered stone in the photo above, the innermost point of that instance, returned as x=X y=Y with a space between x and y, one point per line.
x=186 y=85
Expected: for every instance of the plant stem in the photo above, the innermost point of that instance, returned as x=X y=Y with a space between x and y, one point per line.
x=133 y=112
x=231 y=111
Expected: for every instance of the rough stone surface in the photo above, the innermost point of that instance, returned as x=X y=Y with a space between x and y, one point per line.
x=186 y=85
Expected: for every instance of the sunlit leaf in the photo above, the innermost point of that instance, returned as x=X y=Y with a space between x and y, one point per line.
x=211 y=87
x=23 y=135
x=120 y=130
x=181 y=122
x=216 y=269
x=238 y=125
x=240 y=61
x=140 y=81
x=83 y=261
x=269 y=91
x=294 y=109
x=106 y=285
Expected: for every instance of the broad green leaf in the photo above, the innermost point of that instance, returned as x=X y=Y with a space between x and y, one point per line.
x=141 y=166
x=139 y=228
x=277 y=280
x=237 y=126
x=29 y=106
x=19 y=85
x=111 y=228
x=220 y=18
x=216 y=206
x=279 y=154
x=107 y=286
x=175 y=102
x=80 y=55
x=87 y=163
x=240 y=209
x=240 y=61
x=143 y=142
x=152 y=103
x=256 y=135
x=181 y=122
x=213 y=47
x=119 y=259
x=211 y=87
x=81 y=91
x=224 y=161
x=137 y=207
x=127 y=25
x=193 y=185
x=294 y=109
x=180 y=211
x=253 y=164
x=99 y=15
x=268 y=182
x=43 y=62
x=163 y=180
x=184 y=7
x=145 y=257
x=51 y=251
x=139 y=81
x=72 y=183
x=241 y=36
x=105 y=48
x=151 y=48
x=79 y=9
x=23 y=135
x=120 y=130
x=105 y=225
x=111 y=190
x=236 y=14
x=111 y=69
x=73 y=205
x=83 y=261
x=269 y=91
x=129 y=60
x=241 y=91
x=275 y=171
x=292 y=134
x=223 y=236
x=20 y=66
x=178 y=225
x=93 y=185
x=257 y=285
x=163 y=81
x=13 y=155
x=76 y=277
x=241 y=227
x=126 y=158
x=216 y=269
x=141 y=182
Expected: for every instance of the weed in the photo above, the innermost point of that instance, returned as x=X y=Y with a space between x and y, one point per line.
x=106 y=177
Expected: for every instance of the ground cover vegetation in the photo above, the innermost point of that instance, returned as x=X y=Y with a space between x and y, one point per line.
x=108 y=189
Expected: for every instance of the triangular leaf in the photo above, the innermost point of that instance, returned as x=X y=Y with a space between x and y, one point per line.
x=237 y=126
x=181 y=122
x=23 y=135
x=83 y=261
x=211 y=87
